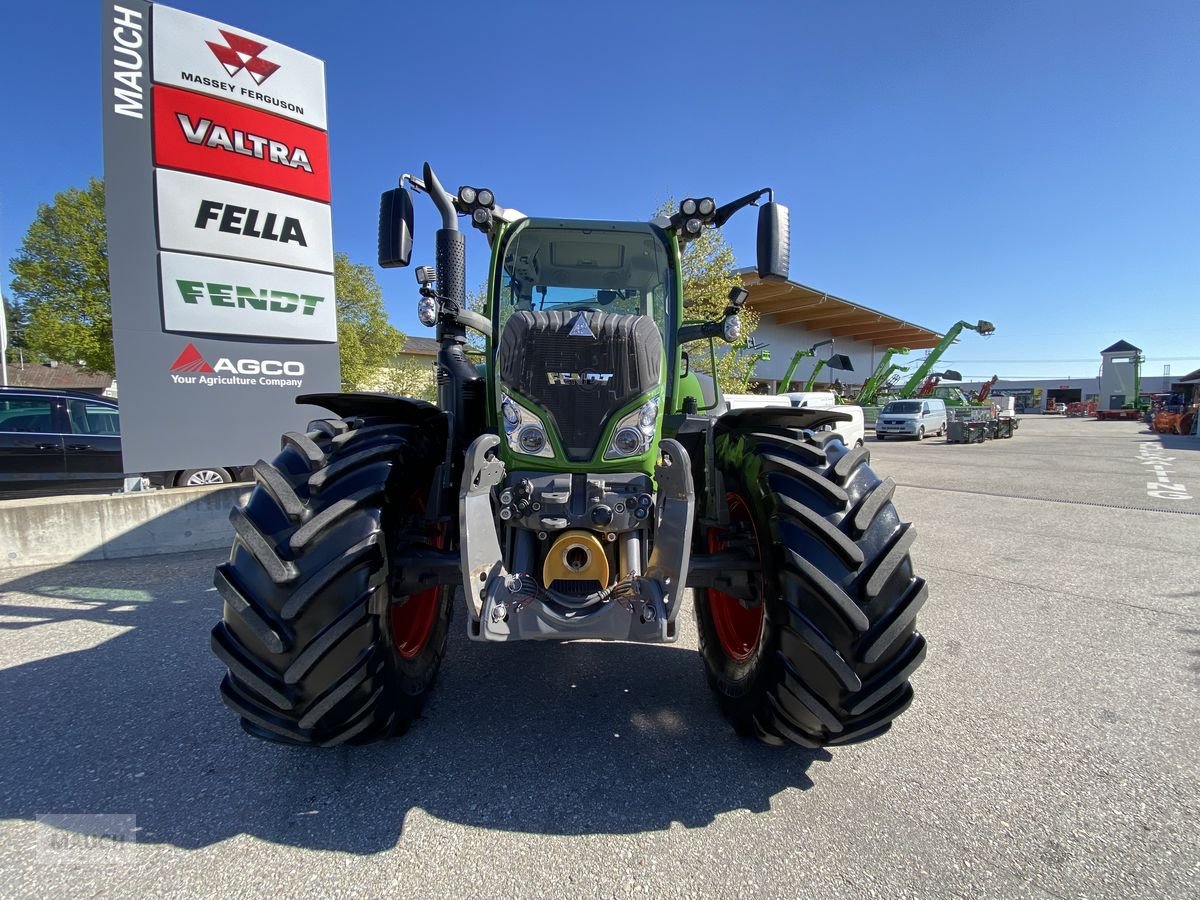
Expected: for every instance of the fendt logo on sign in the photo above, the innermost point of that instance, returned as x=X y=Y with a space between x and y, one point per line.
x=238 y=53
x=201 y=134
x=192 y=368
x=229 y=297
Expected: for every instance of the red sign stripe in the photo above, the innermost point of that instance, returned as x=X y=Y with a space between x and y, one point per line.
x=210 y=136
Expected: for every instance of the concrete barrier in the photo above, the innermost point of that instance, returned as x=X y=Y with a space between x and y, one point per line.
x=50 y=530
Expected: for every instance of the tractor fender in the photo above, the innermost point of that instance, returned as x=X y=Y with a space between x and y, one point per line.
x=787 y=417
x=391 y=406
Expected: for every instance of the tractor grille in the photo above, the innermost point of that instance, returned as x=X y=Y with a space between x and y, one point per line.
x=541 y=360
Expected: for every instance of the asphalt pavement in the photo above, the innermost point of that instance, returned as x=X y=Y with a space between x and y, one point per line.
x=1052 y=750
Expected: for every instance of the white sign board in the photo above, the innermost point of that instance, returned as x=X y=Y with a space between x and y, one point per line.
x=206 y=295
x=222 y=218
x=205 y=56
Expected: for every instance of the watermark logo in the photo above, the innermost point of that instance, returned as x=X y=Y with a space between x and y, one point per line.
x=239 y=53
x=77 y=839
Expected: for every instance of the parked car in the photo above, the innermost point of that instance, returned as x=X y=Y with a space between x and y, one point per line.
x=911 y=418
x=60 y=442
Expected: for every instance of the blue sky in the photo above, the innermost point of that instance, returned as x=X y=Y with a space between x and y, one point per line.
x=1036 y=164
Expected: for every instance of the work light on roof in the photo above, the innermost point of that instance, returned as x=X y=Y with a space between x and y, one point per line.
x=688 y=207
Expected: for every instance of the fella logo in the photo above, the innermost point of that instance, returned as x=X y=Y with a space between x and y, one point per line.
x=239 y=53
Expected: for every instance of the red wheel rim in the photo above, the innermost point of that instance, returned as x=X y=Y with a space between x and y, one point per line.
x=413 y=620
x=739 y=629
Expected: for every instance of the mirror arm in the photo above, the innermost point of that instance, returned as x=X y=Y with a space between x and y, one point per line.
x=699 y=331
x=724 y=213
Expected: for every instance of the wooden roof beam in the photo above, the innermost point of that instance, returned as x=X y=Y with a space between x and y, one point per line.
x=780 y=304
x=871 y=329
x=824 y=320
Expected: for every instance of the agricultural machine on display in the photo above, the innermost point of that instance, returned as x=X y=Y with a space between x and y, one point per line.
x=834 y=361
x=879 y=380
x=925 y=369
x=570 y=487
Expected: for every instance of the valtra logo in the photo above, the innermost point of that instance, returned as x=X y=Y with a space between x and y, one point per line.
x=239 y=53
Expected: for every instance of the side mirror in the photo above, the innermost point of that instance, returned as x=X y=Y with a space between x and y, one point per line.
x=774 y=242
x=395 y=228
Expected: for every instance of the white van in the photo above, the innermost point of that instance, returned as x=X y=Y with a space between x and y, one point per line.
x=914 y=418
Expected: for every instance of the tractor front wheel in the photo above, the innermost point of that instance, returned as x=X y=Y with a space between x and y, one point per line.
x=819 y=645
x=318 y=649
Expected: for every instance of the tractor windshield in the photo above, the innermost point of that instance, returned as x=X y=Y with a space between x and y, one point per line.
x=610 y=267
x=580 y=313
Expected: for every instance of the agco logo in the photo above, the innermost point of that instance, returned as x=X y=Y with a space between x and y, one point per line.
x=192 y=368
x=239 y=53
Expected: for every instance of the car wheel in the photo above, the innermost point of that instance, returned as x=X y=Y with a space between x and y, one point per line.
x=921 y=433
x=858 y=443
x=202 y=477
x=879 y=437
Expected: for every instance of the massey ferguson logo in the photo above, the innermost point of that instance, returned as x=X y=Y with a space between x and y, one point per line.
x=239 y=53
x=192 y=368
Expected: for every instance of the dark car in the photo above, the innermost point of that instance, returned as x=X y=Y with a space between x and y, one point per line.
x=59 y=442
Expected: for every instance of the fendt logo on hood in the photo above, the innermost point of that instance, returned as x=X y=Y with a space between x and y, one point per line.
x=192 y=368
x=239 y=53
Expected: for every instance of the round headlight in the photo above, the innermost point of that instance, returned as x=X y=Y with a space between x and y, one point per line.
x=693 y=226
x=531 y=439
x=649 y=413
x=466 y=195
x=485 y=197
x=512 y=415
x=627 y=441
x=688 y=207
x=481 y=216
x=731 y=330
x=427 y=311
x=706 y=207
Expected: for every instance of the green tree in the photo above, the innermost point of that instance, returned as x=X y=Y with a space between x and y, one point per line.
x=709 y=273
x=15 y=323
x=369 y=343
x=61 y=282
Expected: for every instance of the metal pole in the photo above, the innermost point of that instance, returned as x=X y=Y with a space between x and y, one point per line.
x=3 y=343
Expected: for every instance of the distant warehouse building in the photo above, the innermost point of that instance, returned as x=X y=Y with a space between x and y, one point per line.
x=795 y=316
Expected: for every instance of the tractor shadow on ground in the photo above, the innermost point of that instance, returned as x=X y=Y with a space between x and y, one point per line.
x=555 y=739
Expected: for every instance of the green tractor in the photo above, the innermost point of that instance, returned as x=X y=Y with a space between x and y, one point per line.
x=572 y=487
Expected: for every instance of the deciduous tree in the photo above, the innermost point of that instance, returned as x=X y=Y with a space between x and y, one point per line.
x=61 y=280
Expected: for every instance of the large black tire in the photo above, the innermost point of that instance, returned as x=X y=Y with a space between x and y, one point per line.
x=317 y=649
x=828 y=659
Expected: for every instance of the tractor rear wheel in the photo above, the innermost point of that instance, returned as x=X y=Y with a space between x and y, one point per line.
x=318 y=650
x=820 y=650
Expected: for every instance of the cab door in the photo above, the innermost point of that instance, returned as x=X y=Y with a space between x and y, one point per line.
x=93 y=445
x=31 y=447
